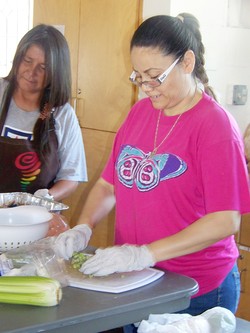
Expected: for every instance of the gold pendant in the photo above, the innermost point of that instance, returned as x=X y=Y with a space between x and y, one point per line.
x=152 y=153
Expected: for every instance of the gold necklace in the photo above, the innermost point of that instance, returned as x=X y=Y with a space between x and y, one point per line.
x=154 y=151
x=165 y=138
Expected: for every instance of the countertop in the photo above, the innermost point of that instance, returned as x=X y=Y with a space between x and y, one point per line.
x=85 y=311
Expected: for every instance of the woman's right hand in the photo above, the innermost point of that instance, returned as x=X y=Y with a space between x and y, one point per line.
x=73 y=240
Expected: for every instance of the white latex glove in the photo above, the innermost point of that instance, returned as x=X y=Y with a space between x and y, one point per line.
x=44 y=193
x=115 y=259
x=73 y=240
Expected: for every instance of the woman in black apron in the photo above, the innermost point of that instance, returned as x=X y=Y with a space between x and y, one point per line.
x=40 y=79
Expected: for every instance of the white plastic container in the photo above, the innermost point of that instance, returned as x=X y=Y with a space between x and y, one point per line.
x=22 y=225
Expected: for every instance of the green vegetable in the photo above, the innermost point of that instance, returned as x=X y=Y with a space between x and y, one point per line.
x=78 y=258
x=30 y=290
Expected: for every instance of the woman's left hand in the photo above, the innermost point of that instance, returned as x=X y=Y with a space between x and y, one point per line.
x=43 y=193
x=116 y=259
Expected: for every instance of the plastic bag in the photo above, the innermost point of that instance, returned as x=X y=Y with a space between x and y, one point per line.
x=57 y=225
x=215 y=320
x=38 y=258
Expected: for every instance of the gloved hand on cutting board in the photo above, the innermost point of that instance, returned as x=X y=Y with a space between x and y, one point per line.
x=116 y=259
x=73 y=240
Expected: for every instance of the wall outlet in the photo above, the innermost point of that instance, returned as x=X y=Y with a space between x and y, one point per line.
x=239 y=94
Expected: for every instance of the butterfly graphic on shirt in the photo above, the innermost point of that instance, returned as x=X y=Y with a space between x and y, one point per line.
x=146 y=172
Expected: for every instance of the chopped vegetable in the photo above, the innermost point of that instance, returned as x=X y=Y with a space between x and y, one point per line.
x=78 y=258
x=30 y=290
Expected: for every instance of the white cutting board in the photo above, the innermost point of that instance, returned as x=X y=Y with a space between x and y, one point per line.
x=114 y=283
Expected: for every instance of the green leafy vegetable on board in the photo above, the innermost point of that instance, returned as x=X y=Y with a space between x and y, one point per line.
x=78 y=258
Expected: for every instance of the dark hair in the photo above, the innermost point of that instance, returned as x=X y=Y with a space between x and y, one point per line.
x=175 y=35
x=58 y=77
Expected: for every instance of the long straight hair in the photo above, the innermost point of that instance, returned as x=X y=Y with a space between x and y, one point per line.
x=57 y=90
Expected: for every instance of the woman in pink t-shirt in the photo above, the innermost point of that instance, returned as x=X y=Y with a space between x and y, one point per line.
x=176 y=175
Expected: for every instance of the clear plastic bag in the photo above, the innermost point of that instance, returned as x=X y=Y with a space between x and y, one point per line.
x=215 y=320
x=38 y=258
x=57 y=225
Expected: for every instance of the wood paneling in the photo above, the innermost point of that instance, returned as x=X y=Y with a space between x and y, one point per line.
x=243 y=240
x=244 y=234
x=106 y=28
x=97 y=146
x=244 y=268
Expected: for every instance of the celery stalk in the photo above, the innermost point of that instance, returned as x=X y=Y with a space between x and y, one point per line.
x=30 y=290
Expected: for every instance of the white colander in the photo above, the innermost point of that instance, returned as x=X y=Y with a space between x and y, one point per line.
x=22 y=225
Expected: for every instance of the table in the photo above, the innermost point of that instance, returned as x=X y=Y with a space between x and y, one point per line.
x=85 y=311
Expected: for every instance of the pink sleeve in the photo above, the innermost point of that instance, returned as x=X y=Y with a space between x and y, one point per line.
x=224 y=182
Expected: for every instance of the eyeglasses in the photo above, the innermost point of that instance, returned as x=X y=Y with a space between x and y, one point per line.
x=137 y=80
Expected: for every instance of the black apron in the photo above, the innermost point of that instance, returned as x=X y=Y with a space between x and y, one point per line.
x=22 y=169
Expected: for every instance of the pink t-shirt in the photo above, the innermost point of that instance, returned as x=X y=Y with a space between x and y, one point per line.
x=199 y=169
